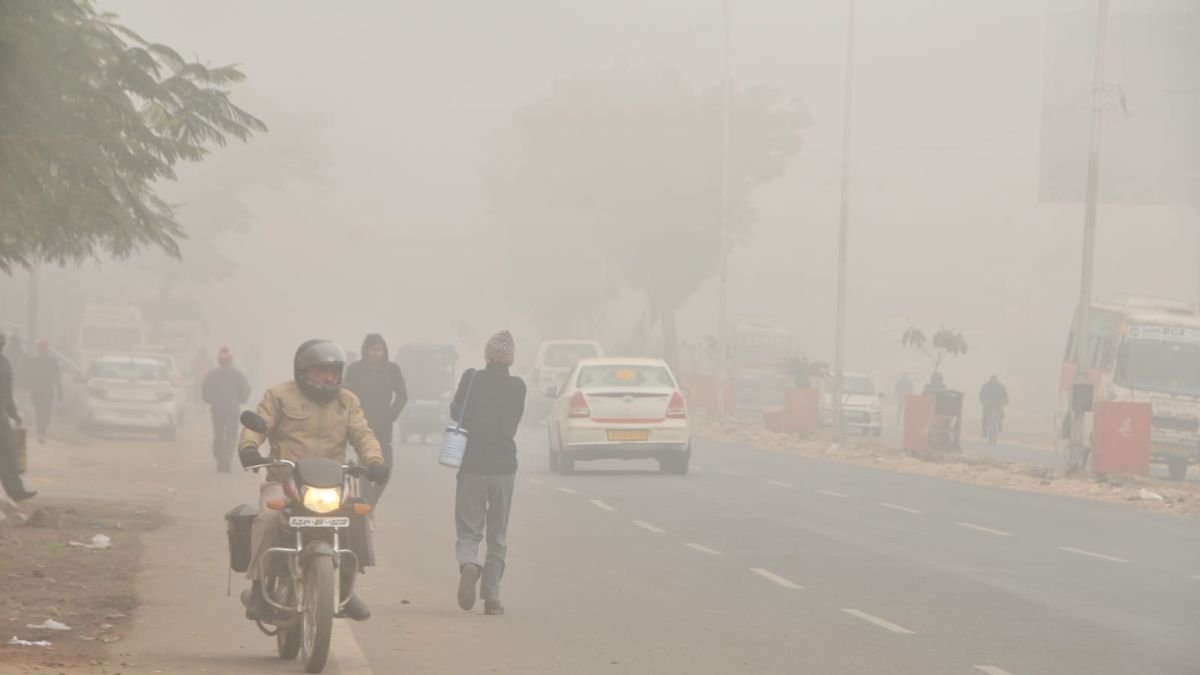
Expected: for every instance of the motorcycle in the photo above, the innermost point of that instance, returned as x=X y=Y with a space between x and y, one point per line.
x=309 y=582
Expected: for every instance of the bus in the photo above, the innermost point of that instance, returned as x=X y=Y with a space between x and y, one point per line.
x=1144 y=350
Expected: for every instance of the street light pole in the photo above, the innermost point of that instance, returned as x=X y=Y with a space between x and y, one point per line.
x=723 y=276
x=839 y=358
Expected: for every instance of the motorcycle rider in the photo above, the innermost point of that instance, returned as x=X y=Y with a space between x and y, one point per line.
x=225 y=389
x=379 y=385
x=994 y=396
x=308 y=416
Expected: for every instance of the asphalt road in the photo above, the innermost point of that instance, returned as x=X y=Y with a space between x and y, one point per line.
x=754 y=563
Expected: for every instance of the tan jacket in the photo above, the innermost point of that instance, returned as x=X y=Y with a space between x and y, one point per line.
x=300 y=428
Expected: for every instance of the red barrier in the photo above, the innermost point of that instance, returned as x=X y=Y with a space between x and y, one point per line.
x=1121 y=438
x=918 y=414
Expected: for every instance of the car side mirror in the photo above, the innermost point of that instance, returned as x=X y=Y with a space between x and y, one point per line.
x=551 y=392
x=254 y=422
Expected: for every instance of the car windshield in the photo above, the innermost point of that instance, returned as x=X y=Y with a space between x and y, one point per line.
x=858 y=385
x=1163 y=366
x=129 y=370
x=655 y=377
x=567 y=355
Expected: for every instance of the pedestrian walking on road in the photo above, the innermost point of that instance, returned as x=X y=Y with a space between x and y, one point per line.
x=904 y=389
x=993 y=396
x=225 y=389
x=488 y=404
x=45 y=388
x=10 y=475
x=379 y=385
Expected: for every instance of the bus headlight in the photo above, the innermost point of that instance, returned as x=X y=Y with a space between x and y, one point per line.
x=322 y=500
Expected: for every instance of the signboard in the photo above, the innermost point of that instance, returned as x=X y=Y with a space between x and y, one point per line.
x=1164 y=333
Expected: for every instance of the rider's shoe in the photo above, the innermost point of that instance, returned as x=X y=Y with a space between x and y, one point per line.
x=468 y=579
x=257 y=608
x=493 y=607
x=356 y=609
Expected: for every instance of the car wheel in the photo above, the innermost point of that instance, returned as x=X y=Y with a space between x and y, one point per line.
x=1177 y=468
x=676 y=464
x=566 y=462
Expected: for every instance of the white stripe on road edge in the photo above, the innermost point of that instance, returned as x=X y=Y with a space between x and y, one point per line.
x=703 y=549
x=897 y=507
x=536 y=481
x=566 y=490
x=786 y=583
x=648 y=527
x=601 y=505
x=992 y=670
x=346 y=652
x=830 y=493
x=888 y=625
x=780 y=483
x=1101 y=556
x=980 y=528
x=731 y=473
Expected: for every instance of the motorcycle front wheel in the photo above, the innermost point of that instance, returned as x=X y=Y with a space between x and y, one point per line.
x=287 y=638
x=317 y=620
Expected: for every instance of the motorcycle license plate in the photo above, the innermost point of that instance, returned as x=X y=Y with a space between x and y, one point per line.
x=318 y=521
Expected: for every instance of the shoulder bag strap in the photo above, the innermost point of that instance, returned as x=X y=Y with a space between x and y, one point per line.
x=462 y=417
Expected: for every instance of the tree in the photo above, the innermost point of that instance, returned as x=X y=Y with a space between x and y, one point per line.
x=626 y=167
x=92 y=116
x=945 y=343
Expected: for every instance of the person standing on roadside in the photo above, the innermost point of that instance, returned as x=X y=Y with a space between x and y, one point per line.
x=225 y=389
x=10 y=475
x=45 y=387
x=488 y=405
x=379 y=386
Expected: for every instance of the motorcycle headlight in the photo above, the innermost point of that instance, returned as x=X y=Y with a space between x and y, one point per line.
x=322 y=500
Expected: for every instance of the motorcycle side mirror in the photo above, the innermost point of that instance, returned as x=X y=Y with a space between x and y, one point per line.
x=254 y=422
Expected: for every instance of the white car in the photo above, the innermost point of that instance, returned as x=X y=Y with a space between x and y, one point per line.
x=130 y=393
x=862 y=405
x=617 y=408
x=555 y=359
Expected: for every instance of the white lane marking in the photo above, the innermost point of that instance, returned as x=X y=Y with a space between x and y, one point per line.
x=897 y=507
x=771 y=576
x=992 y=670
x=536 y=481
x=780 y=483
x=1197 y=577
x=1090 y=554
x=648 y=527
x=566 y=490
x=731 y=473
x=347 y=653
x=831 y=493
x=980 y=528
x=882 y=623
x=602 y=506
x=703 y=549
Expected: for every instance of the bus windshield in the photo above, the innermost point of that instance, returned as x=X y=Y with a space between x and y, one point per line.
x=1162 y=366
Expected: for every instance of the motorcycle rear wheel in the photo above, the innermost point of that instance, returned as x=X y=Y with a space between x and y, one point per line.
x=316 y=625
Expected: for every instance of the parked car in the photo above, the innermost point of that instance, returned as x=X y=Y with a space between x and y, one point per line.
x=178 y=384
x=618 y=408
x=555 y=359
x=130 y=393
x=862 y=405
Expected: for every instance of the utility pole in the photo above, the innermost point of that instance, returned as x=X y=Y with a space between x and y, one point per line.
x=1078 y=452
x=839 y=354
x=723 y=277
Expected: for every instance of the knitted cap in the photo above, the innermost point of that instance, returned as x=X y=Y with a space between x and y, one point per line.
x=500 y=349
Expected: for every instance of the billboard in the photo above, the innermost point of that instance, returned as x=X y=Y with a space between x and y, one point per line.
x=1150 y=152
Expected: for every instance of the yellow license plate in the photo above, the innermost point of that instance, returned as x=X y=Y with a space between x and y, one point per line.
x=628 y=435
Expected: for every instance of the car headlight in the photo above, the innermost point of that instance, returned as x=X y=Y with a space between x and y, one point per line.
x=322 y=500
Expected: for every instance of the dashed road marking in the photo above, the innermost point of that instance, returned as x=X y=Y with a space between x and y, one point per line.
x=702 y=548
x=882 y=623
x=566 y=490
x=1090 y=554
x=831 y=493
x=897 y=507
x=981 y=528
x=602 y=506
x=780 y=483
x=771 y=576
x=648 y=527
x=731 y=473
x=537 y=482
x=992 y=670
x=346 y=652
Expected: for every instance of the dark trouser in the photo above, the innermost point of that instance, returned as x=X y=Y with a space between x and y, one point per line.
x=43 y=408
x=988 y=412
x=371 y=491
x=10 y=478
x=225 y=433
x=482 y=504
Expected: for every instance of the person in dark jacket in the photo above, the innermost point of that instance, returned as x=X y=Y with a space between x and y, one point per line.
x=993 y=395
x=225 y=389
x=10 y=476
x=380 y=388
x=45 y=387
x=488 y=405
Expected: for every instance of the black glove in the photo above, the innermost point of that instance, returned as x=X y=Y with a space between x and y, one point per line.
x=378 y=472
x=250 y=457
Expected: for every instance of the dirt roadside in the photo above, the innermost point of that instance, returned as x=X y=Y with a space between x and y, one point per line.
x=1151 y=494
